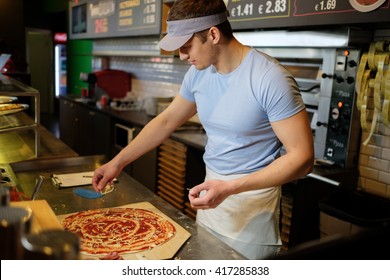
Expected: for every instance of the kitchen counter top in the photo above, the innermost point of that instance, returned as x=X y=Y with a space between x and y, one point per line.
x=201 y=244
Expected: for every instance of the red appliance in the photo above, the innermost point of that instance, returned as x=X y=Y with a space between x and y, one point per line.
x=116 y=83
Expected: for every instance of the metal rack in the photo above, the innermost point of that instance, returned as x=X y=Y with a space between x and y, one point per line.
x=12 y=87
x=172 y=173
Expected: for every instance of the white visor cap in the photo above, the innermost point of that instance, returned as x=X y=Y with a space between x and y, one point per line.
x=180 y=31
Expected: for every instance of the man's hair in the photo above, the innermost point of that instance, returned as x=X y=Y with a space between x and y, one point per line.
x=186 y=9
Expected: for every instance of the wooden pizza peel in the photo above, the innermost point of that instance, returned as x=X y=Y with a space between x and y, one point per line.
x=43 y=217
x=160 y=252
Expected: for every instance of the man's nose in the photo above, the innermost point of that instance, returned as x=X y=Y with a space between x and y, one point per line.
x=182 y=55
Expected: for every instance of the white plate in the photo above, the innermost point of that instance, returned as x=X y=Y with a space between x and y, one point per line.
x=7 y=99
x=371 y=5
x=4 y=111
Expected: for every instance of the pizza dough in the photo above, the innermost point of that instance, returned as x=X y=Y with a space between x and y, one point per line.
x=121 y=230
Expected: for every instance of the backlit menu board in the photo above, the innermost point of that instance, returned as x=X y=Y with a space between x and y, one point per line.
x=257 y=14
x=114 y=18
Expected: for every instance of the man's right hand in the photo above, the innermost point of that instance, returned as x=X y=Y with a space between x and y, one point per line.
x=104 y=175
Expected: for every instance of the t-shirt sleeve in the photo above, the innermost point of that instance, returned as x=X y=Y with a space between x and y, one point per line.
x=284 y=98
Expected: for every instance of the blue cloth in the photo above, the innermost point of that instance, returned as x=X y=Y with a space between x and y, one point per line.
x=87 y=193
x=236 y=110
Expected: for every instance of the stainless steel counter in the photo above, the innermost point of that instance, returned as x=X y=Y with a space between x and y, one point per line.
x=201 y=244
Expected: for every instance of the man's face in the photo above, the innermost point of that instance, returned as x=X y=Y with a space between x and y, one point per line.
x=198 y=53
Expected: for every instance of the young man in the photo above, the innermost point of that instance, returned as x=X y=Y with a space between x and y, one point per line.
x=250 y=107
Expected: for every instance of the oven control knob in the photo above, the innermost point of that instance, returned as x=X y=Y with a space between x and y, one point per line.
x=345 y=115
x=335 y=113
x=321 y=124
x=330 y=76
x=339 y=79
x=350 y=80
x=352 y=63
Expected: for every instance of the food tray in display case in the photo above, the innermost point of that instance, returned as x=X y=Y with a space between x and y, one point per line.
x=12 y=108
x=7 y=99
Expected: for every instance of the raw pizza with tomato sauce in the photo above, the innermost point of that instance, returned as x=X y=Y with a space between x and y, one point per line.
x=129 y=231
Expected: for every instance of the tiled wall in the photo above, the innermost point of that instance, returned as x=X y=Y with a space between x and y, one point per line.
x=374 y=159
x=152 y=74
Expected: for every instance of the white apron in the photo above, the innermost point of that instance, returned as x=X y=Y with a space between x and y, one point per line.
x=248 y=222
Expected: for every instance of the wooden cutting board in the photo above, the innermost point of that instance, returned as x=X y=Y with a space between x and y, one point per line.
x=161 y=252
x=43 y=217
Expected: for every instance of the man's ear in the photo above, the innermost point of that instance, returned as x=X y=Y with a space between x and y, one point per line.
x=215 y=35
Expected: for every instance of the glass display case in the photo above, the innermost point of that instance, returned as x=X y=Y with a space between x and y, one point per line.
x=10 y=89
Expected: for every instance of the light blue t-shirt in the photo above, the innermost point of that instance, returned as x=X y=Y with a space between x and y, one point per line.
x=236 y=110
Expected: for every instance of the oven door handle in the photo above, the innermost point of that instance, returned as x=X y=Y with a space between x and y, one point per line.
x=324 y=179
x=310 y=88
